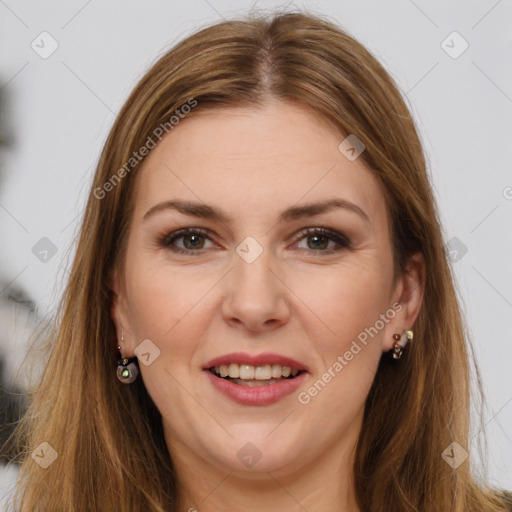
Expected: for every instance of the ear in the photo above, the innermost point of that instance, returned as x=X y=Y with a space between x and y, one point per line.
x=408 y=293
x=119 y=312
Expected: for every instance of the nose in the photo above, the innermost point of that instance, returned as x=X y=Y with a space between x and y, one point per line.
x=255 y=295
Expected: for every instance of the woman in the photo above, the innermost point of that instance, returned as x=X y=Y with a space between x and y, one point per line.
x=262 y=258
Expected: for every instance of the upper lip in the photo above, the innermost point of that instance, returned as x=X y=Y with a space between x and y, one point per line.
x=256 y=360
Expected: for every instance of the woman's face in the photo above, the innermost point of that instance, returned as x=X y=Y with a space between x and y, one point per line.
x=254 y=294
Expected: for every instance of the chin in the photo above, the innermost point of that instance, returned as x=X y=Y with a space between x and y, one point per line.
x=253 y=452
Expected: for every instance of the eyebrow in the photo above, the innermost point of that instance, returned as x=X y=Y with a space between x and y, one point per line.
x=205 y=211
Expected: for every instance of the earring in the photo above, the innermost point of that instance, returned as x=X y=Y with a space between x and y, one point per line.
x=400 y=342
x=127 y=370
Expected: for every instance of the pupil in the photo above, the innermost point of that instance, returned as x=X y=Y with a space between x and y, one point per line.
x=191 y=239
x=317 y=238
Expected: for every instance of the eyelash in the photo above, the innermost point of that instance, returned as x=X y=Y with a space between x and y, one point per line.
x=342 y=241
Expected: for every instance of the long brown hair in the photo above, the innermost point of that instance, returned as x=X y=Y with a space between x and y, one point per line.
x=111 y=453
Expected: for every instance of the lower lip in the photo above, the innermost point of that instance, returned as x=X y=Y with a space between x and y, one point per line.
x=256 y=395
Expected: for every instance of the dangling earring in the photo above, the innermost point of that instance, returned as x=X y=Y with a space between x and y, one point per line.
x=127 y=369
x=400 y=342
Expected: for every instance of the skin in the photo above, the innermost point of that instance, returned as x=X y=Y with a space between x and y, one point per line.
x=292 y=300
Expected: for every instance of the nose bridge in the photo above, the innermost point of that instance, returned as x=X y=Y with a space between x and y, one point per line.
x=254 y=295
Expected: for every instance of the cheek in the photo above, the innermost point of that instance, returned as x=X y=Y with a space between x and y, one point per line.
x=161 y=296
x=170 y=306
x=346 y=300
x=349 y=305
x=165 y=306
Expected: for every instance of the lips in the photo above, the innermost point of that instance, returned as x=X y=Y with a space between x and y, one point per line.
x=255 y=395
x=250 y=379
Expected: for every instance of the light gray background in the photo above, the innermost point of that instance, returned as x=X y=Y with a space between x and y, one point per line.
x=62 y=107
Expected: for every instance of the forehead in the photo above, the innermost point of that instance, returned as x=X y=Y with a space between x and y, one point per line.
x=255 y=161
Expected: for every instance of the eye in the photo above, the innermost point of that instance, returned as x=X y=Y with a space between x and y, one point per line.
x=320 y=238
x=193 y=240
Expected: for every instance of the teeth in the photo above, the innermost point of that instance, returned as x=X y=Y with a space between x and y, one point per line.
x=250 y=373
x=246 y=372
x=263 y=372
x=234 y=370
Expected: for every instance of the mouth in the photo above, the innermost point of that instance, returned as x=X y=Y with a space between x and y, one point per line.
x=250 y=379
x=252 y=376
